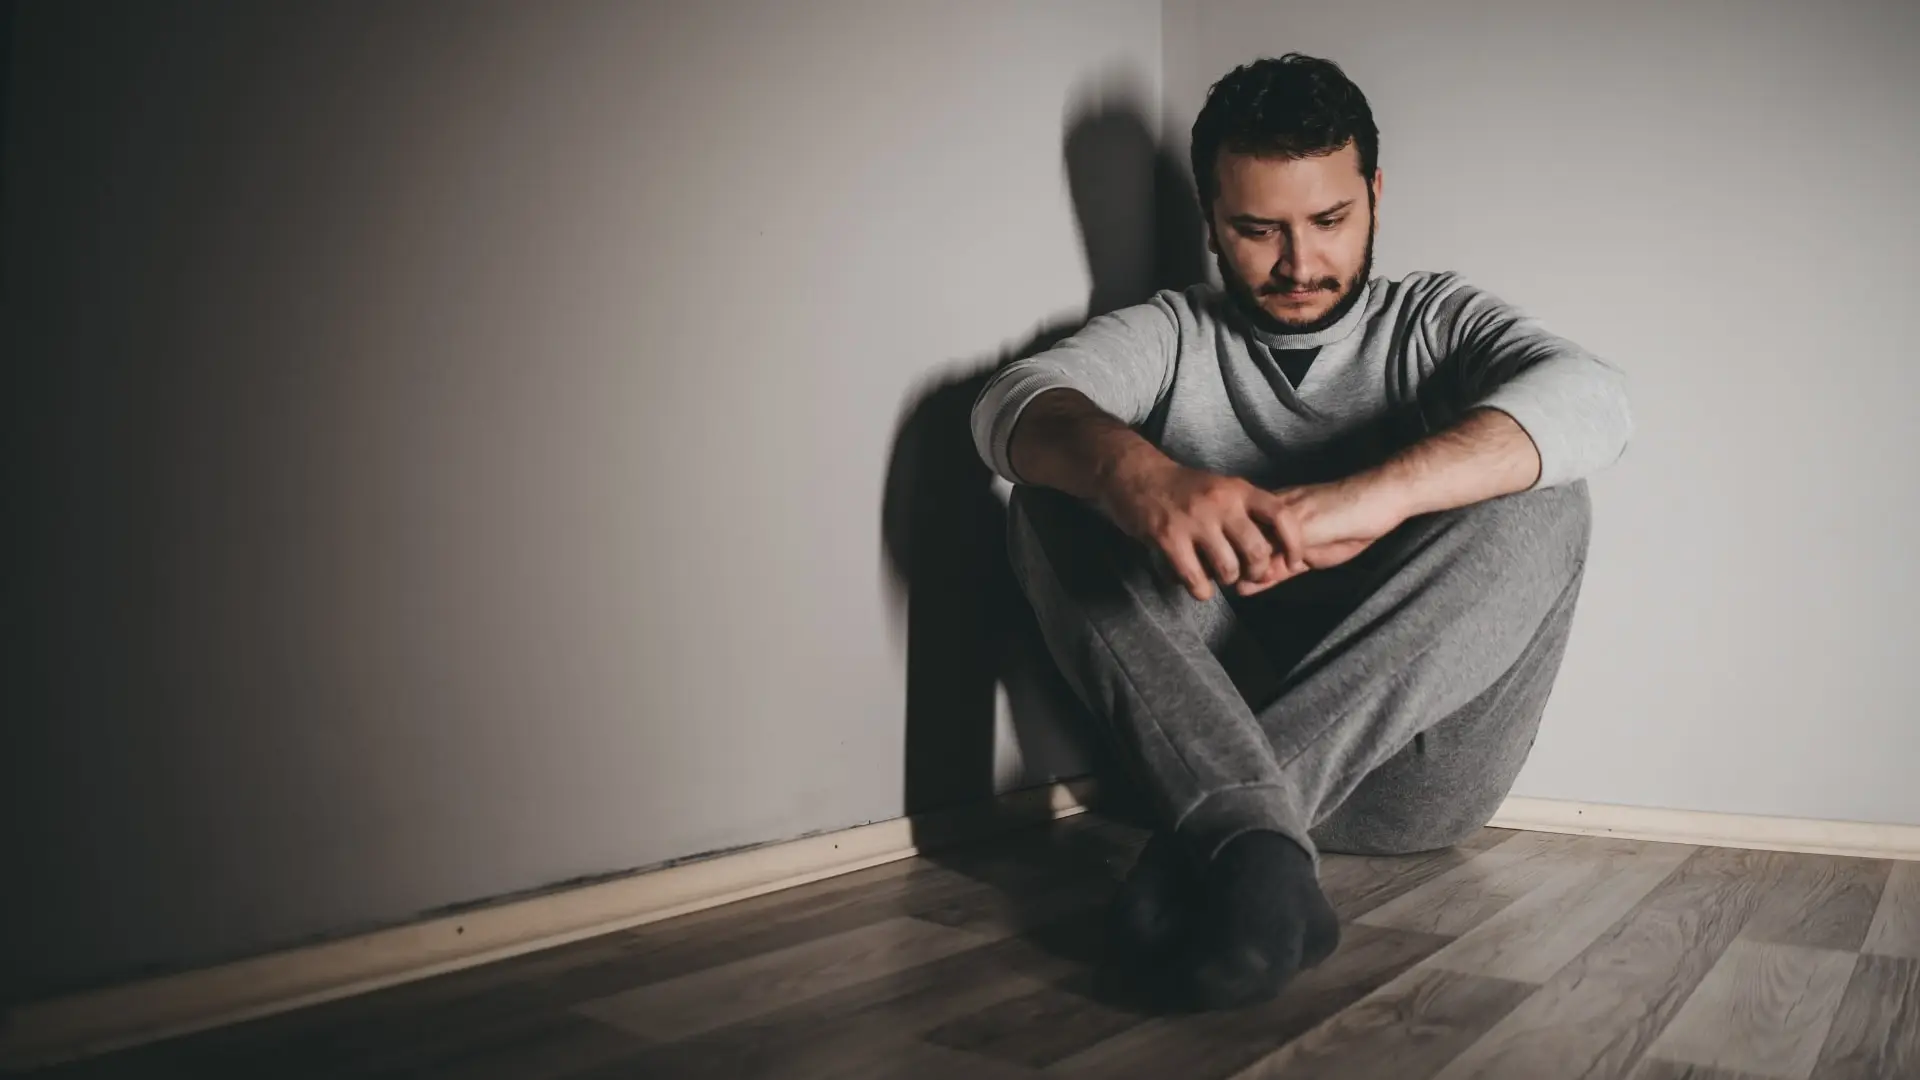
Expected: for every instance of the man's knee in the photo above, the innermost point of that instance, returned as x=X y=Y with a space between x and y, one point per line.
x=1044 y=527
x=1547 y=529
x=1060 y=546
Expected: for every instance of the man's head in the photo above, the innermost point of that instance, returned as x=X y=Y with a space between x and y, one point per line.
x=1285 y=156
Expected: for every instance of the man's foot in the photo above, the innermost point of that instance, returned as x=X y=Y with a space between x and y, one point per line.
x=1154 y=909
x=1266 y=921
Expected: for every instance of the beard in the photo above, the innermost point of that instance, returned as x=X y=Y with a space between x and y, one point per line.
x=1247 y=301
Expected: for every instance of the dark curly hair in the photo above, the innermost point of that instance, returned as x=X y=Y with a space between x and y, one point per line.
x=1296 y=106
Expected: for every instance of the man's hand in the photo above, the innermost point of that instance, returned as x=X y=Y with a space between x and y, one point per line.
x=1207 y=525
x=1223 y=528
x=1330 y=523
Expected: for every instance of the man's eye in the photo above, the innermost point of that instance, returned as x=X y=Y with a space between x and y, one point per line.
x=1332 y=224
x=1256 y=233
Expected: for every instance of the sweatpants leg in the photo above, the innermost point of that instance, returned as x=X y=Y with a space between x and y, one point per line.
x=1448 y=604
x=1448 y=782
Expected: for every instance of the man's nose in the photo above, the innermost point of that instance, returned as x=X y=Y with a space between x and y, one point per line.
x=1291 y=260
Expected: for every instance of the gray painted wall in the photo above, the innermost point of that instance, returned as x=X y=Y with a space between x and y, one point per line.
x=1719 y=196
x=455 y=435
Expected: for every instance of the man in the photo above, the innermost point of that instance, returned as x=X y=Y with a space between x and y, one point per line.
x=1310 y=544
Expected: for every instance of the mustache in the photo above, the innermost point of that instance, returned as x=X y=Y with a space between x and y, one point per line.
x=1275 y=288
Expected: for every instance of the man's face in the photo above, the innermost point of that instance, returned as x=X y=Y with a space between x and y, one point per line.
x=1294 y=237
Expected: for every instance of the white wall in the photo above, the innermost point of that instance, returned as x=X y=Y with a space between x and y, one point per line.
x=458 y=433
x=1719 y=195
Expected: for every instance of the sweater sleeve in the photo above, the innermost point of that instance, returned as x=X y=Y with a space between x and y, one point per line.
x=1123 y=362
x=1571 y=403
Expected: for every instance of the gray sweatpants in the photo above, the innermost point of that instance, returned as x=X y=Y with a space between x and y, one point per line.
x=1380 y=707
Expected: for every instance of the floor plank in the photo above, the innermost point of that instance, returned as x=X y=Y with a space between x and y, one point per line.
x=827 y=1034
x=1655 y=1069
x=717 y=996
x=1465 y=896
x=559 y=1045
x=1876 y=1031
x=1541 y=932
x=1514 y=954
x=1822 y=902
x=1895 y=930
x=1596 y=1016
x=1037 y=1028
x=1356 y=884
x=1406 y=1030
x=1763 y=1008
x=1219 y=1044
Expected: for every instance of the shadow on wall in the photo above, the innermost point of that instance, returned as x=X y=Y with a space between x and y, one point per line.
x=969 y=629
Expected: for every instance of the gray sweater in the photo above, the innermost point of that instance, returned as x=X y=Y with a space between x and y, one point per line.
x=1189 y=372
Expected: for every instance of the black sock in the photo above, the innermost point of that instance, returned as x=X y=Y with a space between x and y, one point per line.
x=1155 y=907
x=1266 y=920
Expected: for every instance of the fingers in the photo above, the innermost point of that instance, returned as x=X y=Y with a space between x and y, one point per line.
x=1201 y=560
x=1219 y=554
x=1251 y=546
x=1186 y=564
x=1291 y=551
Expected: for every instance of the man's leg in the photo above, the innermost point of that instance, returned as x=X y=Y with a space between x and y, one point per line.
x=1169 y=675
x=1461 y=619
x=1449 y=604
x=1450 y=780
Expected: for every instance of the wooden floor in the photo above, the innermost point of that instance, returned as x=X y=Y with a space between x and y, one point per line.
x=1523 y=955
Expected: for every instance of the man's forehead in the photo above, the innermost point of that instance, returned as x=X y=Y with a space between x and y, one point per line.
x=1273 y=186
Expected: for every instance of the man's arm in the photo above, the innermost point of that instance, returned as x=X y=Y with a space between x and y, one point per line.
x=1208 y=526
x=1535 y=410
x=1486 y=455
x=1064 y=441
x=1121 y=363
x=1571 y=403
x=1066 y=419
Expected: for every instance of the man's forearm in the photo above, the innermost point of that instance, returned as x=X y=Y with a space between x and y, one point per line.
x=1486 y=455
x=1064 y=441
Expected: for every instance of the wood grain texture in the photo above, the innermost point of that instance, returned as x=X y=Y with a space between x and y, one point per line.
x=1356 y=884
x=1576 y=956
x=690 y=1004
x=824 y=1035
x=1038 y=1028
x=926 y=1061
x=1406 y=1030
x=1655 y=1069
x=1763 y=1008
x=1876 y=1031
x=1465 y=896
x=1597 y=1015
x=1220 y=1044
x=1541 y=932
x=1895 y=930
x=1822 y=902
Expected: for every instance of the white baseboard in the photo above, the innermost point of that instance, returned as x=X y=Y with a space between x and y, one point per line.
x=97 y=1021
x=1861 y=838
x=94 y=1022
